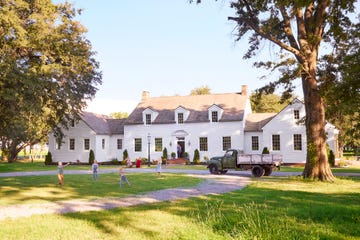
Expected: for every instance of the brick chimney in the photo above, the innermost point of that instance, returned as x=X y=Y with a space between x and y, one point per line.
x=145 y=95
x=244 y=90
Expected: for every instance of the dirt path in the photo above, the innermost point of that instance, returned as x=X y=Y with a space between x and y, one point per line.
x=214 y=184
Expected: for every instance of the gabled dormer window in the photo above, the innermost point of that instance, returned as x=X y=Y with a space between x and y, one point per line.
x=149 y=116
x=181 y=114
x=215 y=113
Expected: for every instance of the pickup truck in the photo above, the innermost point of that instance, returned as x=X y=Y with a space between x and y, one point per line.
x=260 y=164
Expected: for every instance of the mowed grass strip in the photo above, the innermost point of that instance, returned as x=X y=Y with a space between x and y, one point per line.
x=26 y=166
x=269 y=208
x=37 y=189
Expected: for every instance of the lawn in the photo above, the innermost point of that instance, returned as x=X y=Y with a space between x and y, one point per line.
x=269 y=208
x=38 y=189
x=23 y=166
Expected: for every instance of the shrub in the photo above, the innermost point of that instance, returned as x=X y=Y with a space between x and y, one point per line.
x=331 y=158
x=114 y=161
x=186 y=155
x=125 y=155
x=173 y=155
x=196 y=158
x=91 y=157
x=165 y=154
x=48 y=159
x=265 y=151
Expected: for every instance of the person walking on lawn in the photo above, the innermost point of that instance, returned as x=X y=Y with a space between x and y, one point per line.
x=61 y=172
x=95 y=167
x=123 y=177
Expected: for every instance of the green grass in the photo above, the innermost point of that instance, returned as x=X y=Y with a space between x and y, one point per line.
x=26 y=166
x=270 y=208
x=334 y=169
x=38 y=189
x=23 y=166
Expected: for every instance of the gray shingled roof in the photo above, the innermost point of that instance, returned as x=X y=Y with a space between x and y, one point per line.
x=256 y=121
x=103 y=124
x=233 y=105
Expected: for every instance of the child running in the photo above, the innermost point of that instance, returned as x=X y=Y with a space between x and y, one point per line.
x=61 y=172
x=158 y=168
x=123 y=177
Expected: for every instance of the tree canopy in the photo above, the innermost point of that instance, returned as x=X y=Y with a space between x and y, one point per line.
x=47 y=71
x=201 y=90
x=296 y=30
x=267 y=103
x=119 y=115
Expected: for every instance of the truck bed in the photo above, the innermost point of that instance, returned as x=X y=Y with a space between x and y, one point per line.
x=259 y=159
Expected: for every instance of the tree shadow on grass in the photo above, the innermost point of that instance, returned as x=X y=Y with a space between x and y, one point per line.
x=284 y=214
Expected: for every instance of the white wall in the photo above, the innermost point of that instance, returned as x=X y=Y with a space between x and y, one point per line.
x=213 y=131
x=79 y=133
x=286 y=126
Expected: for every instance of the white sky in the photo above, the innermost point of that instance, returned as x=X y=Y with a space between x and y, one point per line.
x=166 y=47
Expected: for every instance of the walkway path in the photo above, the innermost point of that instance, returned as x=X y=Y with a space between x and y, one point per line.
x=214 y=184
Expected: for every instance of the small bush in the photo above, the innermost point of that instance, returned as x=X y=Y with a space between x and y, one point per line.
x=331 y=158
x=173 y=155
x=48 y=159
x=265 y=151
x=196 y=158
x=91 y=157
x=114 y=161
x=125 y=155
x=165 y=154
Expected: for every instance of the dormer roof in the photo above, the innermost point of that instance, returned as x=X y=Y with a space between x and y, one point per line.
x=233 y=105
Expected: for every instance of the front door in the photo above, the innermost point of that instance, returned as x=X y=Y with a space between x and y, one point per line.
x=180 y=148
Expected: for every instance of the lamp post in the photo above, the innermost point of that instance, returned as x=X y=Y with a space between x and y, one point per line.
x=149 y=140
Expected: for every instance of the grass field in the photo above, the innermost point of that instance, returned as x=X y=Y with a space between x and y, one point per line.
x=39 y=166
x=269 y=208
x=37 y=189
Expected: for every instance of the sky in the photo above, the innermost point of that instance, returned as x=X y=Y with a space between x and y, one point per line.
x=166 y=48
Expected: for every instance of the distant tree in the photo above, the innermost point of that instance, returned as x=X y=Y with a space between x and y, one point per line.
x=201 y=90
x=48 y=71
x=119 y=115
x=267 y=103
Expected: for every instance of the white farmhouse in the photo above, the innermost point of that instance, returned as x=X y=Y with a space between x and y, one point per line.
x=209 y=123
x=94 y=132
x=283 y=133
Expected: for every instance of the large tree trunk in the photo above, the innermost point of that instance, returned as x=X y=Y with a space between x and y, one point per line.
x=317 y=165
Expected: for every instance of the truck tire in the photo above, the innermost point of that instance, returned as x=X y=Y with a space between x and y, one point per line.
x=257 y=171
x=268 y=171
x=213 y=169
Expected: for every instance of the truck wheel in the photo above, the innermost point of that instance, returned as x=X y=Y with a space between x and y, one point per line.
x=213 y=169
x=268 y=171
x=257 y=171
